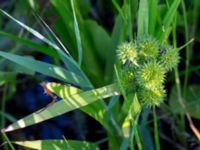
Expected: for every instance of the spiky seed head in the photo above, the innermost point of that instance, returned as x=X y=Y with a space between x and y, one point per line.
x=127 y=78
x=170 y=58
x=127 y=52
x=151 y=97
x=151 y=74
x=148 y=47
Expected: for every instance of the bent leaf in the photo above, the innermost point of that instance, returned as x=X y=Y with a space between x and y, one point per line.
x=66 y=105
x=57 y=145
x=77 y=34
x=46 y=69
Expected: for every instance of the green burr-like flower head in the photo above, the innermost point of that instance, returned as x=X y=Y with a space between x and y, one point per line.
x=151 y=97
x=127 y=53
x=169 y=58
x=151 y=74
x=148 y=47
x=142 y=69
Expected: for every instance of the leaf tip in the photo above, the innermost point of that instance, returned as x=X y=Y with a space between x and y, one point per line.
x=3 y=130
x=8 y=129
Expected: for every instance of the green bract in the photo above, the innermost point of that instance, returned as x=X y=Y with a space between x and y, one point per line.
x=143 y=66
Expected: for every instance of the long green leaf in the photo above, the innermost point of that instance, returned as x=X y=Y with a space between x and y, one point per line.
x=46 y=69
x=168 y=19
x=66 y=105
x=57 y=145
x=153 y=8
x=77 y=33
x=143 y=18
x=8 y=116
x=118 y=9
x=116 y=38
x=71 y=64
x=43 y=49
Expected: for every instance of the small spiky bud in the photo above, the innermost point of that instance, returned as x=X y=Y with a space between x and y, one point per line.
x=170 y=58
x=127 y=53
x=151 y=97
x=148 y=47
x=151 y=74
x=127 y=78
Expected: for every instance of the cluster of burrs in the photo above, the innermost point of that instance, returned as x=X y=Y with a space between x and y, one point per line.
x=143 y=65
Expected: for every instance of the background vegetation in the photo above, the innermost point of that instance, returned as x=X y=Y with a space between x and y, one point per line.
x=82 y=36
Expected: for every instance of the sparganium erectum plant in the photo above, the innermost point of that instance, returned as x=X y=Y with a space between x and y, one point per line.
x=142 y=68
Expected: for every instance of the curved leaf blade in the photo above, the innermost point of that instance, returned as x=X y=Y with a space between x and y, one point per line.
x=46 y=69
x=66 y=105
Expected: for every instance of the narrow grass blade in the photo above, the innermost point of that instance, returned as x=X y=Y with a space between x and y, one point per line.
x=66 y=105
x=71 y=64
x=57 y=145
x=187 y=52
x=168 y=19
x=117 y=37
x=46 y=26
x=153 y=8
x=8 y=116
x=5 y=137
x=118 y=9
x=43 y=49
x=31 y=30
x=77 y=33
x=143 y=18
x=127 y=11
x=136 y=134
x=46 y=69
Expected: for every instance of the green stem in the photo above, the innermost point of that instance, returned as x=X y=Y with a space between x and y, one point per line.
x=131 y=142
x=4 y=136
x=181 y=121
x=156 y=134
x=129 y=20
x=136 y=134
x=187 y=53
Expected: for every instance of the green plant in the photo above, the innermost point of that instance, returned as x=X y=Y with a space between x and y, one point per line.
x=140 y=70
